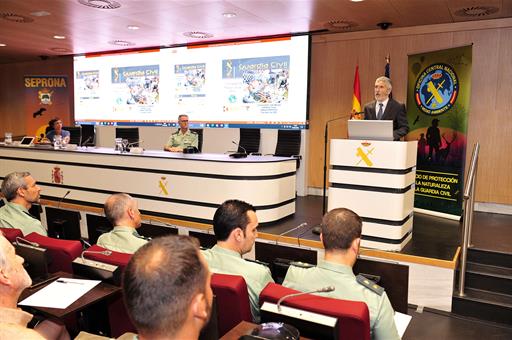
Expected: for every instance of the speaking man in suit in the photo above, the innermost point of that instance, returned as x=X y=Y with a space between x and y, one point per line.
x=385 y=108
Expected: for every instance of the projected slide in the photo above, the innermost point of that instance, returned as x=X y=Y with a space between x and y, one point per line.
x=261 y=83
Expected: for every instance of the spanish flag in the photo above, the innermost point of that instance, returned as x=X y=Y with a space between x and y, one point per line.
x=356 y=97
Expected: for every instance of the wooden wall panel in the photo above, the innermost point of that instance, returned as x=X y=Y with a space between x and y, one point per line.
x=13 y=117
x=490 y=120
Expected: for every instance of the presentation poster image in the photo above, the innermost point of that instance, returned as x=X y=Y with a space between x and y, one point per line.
x=135 y=88
x=439 y=88
x=190 y=87
x=256 y=85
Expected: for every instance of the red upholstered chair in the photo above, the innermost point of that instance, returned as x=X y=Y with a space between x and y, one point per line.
x=232 y=301
x=11 y=233
x=62 y=252
x=118 y=316
x=353 y=316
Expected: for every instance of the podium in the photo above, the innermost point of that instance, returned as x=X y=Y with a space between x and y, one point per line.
x=375 y=179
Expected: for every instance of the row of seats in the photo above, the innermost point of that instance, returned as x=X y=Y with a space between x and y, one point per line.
x=230 y=291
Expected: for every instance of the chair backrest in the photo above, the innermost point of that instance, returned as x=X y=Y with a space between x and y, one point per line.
x=199 y=138
x=62 y=252
x=249 y=140
x=115 y=258
x=75 y=134
x=131 y=134
x=11 y=233
x=288 y=143
x=353 y=316
x=232 y=301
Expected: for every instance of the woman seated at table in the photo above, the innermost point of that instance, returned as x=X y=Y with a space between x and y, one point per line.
x=57 y=131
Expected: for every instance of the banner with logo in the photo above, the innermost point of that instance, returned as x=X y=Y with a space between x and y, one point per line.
x=45 y=97
x=438 y=95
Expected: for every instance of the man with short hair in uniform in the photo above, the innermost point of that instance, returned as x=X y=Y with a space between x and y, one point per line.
x=341 y=237
x=123 y=212
x=182 y=138
x=235 y=225
x=21 y=191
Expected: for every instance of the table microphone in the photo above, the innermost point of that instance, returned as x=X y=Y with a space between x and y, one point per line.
x=102 y=252
x=290 y=230
x=62 y=199
x=33 y=244
x=86 y=141
x=321 y=290
x=238 y=154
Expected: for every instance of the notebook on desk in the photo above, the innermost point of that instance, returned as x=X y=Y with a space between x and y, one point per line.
x=370 y=129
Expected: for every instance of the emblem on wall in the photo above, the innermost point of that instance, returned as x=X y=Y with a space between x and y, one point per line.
x=162 y=184
x=57 y=175
x=45 y=96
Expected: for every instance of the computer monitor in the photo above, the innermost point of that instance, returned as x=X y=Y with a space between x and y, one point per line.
x=310 y=325
x=97 y=225
x=36 y=260
x=63 y=224
x=205 y=240
x=370 y=129
x=88 y=135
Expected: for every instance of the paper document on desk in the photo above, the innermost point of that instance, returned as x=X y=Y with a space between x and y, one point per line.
x=60 y=293
x=402 y=321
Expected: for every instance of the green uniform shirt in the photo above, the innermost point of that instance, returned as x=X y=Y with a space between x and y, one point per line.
x=382 y=324
x=122 y=239
x=257 y=276
x=13 y=215
x=182 y=140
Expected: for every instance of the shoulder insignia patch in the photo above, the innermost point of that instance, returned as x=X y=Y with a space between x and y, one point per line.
x=369 y=284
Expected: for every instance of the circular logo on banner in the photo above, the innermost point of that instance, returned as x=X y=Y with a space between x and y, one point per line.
x=436 y=89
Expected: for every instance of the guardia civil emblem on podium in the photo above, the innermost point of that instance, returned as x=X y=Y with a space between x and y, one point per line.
x=436 y=89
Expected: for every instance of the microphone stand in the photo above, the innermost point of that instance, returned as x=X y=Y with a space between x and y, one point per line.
x=325 y=158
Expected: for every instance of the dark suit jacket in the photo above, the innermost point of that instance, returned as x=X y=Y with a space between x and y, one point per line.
x=395 y=112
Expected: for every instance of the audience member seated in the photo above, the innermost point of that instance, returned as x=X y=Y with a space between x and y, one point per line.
x=167 y=289
x=58 y=131
x=341 y=236
x=20 y=191
x=123 y=212
x=13 y=321
x=235 y=225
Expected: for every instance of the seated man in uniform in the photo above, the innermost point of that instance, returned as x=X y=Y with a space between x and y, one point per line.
x=341 y=235
x=13 y=280
x=20 y=190
x=235 y=225
x=182 y=138
x=167 y=289
x=123 y=212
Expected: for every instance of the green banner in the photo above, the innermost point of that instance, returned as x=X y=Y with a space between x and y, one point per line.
x=438 y=94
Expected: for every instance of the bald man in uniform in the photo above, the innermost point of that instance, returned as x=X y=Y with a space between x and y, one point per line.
x=341 y=236
x=123 y=212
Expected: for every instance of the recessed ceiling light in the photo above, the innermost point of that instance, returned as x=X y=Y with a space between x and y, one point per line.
x=133 y=27
x=198 y=35
x=40 y=14
x=101 y=4
x=229 y=15
x=119 y=42
x=2 y=45
x=357 y=0
x=60 y=49
x=59 y=37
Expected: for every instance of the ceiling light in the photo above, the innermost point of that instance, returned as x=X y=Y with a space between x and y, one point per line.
x=59 y=37
x=40 y=14
x=357 y=0
x=101 y=4
x=60 y=49
x=198 y=35
x=119 y=42
x=229 y=15
x=2 y=45
x=476 y=11
x=133 y=27
x=16 y=17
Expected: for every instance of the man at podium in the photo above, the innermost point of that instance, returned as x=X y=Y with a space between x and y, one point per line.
x=385 y=108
